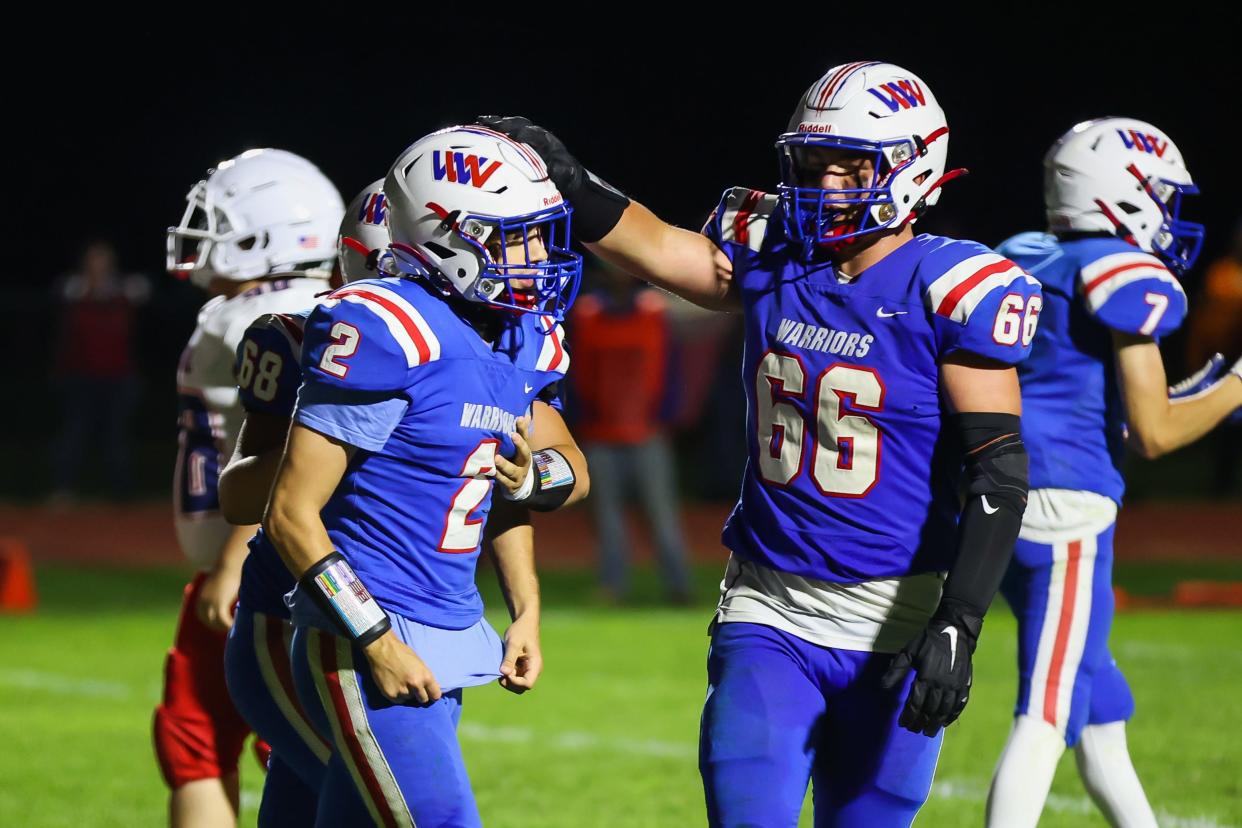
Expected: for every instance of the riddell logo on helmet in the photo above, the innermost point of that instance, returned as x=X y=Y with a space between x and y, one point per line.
x=903 y=94
x=462 y=169
x=548 y=201
x=808 y=126
x=1143 y=143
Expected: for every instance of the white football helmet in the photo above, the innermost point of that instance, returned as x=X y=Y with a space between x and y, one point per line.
x=866 y=107
x=265 y=211
x=362 y=243
x=459 y=197
x=1122 y=176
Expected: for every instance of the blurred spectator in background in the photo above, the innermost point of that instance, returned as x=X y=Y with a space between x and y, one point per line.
x=1216 y=326
x=620 y=341
x=93 y=370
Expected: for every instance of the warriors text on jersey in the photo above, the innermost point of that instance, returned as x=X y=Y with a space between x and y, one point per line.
x=851 y=476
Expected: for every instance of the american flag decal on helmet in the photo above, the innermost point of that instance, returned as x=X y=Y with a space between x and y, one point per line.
x=308 y=241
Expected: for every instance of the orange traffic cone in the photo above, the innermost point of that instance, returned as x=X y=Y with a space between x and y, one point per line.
x=17 y=586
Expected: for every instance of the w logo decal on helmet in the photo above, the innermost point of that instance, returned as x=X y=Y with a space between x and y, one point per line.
x=1133 y=139
x=374 y=210
x=463 y=169
x=902 y=94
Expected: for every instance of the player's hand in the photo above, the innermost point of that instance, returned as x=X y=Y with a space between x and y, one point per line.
x=217 y=598
x=523 y=659
x=512 y=473
x=398 y=671
x=1200 y=379
x=940 y=657
x=566 y=172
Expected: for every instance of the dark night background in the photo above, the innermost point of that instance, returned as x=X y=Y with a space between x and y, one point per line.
x=116 y=127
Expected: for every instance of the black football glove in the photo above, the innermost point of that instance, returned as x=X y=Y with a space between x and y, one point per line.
x=940 y=657
x=597 y=205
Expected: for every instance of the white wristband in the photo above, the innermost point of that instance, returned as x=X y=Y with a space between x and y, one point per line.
x=527 y=487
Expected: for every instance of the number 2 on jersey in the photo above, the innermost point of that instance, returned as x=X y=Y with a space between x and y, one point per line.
x=462 y=533
x=344 y=342
x=845 y=458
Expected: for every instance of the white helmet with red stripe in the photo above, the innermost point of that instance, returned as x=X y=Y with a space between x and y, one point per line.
x=871 y=108
x=362 y=242
x=263 y=212
x=1126 y=177
x=476 y=212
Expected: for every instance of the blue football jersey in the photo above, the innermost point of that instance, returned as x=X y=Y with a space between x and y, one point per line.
x=850 y=474
x=1072 y=415
x=390 y=368
x=269 y=373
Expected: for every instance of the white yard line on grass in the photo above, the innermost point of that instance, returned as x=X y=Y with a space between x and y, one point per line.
x=959 y=788
x=65 y=685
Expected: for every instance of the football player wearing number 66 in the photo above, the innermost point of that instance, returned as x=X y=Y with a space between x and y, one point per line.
x=1094 y=384
x=878 y=368
x=415 y=390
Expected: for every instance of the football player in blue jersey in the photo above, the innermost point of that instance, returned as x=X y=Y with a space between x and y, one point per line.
x=1094 y=385
x=257 y=658
x=878 y=367
x=413 y=390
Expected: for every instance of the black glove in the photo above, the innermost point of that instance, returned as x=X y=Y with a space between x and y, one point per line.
x=597 y=205
x=940 y=657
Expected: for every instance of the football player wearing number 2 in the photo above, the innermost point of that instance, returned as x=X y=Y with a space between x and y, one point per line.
x=413 y=387
x=878 y=367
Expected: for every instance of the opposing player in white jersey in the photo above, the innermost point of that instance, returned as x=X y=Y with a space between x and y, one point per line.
x=1108 y=265
x=257 y=234
x=877 y=369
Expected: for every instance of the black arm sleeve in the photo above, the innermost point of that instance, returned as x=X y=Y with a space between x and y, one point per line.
x=996 y=465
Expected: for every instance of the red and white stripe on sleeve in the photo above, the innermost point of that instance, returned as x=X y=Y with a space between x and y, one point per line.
x=408 y=327
x=1105 y=276
x=959 y=291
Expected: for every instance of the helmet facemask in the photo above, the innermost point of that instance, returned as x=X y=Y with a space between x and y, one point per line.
x=189 y=244
x=518 y=263
x=1177 y=241
x=833 y=217
x=898 y=192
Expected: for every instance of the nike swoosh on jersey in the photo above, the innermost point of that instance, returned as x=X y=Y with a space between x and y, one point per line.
x=988 y=507
x=880 y=313
x=528 y=388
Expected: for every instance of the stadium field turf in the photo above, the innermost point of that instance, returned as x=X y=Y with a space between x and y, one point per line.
x=608 y=736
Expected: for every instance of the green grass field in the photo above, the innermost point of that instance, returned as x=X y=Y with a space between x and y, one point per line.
x=608 y=737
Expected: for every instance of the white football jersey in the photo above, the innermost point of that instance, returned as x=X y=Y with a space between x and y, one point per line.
x=209 y=414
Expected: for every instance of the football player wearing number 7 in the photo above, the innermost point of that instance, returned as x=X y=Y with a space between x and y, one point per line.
x=878 y=368
x=413 y=387
x=1094 y=384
